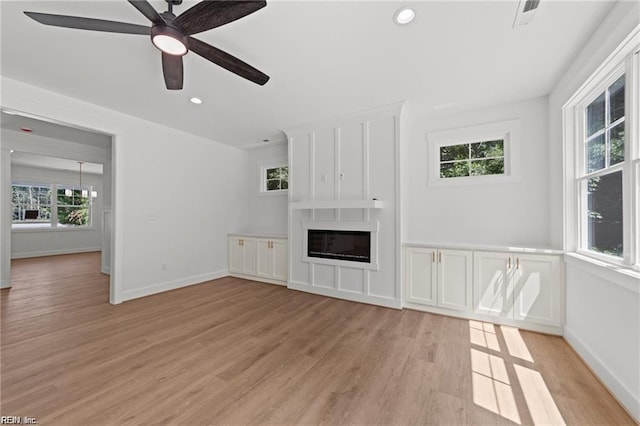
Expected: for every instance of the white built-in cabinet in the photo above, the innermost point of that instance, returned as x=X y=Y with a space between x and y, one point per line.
x=524 y=287
x=257 y=258
x=520 y=289
x=439 y=277
x=272 y=258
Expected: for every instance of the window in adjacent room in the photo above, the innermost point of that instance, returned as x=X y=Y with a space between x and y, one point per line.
x=38 y=205
x=602 y=169
x=31 y=204
x=73 y=206
x=275 y=178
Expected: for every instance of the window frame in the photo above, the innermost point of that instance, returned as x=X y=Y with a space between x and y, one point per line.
x=508 y=131
x=623 y=61
x=263 y=178
x=53 y=224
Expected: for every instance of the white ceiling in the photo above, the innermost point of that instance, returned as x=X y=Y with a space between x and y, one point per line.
x=324 y=59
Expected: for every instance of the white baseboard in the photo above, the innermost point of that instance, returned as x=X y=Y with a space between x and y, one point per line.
x=172 y=285
x=54 y=252
x=630 y=402
x=105 y=270
x=259 y=279
x=5 y=284
x=354 y=297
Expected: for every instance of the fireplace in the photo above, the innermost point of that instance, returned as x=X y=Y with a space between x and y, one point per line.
x=352 y=246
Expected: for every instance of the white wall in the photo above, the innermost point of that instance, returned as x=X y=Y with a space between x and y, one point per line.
x=50 y=241
x=267 y=211
x=602 y=316
x=176 y=195
x=501 y=214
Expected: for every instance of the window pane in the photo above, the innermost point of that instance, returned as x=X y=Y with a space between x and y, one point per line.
x=595 y=115
x=454 y=152
x=616 y=100
x=494 y=166
x=487 y=149
x=604 y=215
x=273 y=185
x=73 y=216
x=273 y=173
x=448 y=170
x=595 y=154
x=616 y=144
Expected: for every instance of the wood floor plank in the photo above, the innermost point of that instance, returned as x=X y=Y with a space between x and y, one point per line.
x=232 y=351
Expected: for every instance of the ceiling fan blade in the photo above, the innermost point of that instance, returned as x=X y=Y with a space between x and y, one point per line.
x=88 y=23
x=147 y=10
x=214 y=13
x=227 y=61
x=173 y=71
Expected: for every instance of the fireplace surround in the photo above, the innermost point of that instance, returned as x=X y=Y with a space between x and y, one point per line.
x=354 y=246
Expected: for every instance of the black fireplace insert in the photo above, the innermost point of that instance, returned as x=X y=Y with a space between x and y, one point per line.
x=354 y=246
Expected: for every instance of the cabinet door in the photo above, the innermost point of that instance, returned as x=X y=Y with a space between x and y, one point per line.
x=280 y=259
x=236 y=255
x=264 y=258
x=537 y=294
x=249 y=249
x=492 y=289
x=420 y=275
x=454 y=279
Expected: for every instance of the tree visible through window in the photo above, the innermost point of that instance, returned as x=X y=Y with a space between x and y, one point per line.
x=73 y=210
x=472 y=159
x=28 y=201
x=603 y=173
x=33 y=205
x=276 y=178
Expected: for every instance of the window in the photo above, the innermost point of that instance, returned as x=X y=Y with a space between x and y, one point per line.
x=35 y=206
x=472 y=159
x=485 y=153
x=600 y=180
x=275 y=178
x=31 y=204
x=73 y=208
x=603 y=162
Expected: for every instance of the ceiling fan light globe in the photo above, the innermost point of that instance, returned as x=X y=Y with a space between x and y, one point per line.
x=169 y=40
x=169 y=45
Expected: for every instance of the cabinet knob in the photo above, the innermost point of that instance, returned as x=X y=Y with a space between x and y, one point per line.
x=439 y=257
x=509 y=263
x=517 y=263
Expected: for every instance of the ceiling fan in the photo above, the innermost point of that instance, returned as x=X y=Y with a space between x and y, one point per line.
x=171 y=34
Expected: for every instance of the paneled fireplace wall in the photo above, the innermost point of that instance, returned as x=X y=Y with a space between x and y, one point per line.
x=339 y=161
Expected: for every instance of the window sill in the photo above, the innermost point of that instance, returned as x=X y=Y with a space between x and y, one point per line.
x=617 y=274
x=474 y=180
x=49 y=229
x=281 y=192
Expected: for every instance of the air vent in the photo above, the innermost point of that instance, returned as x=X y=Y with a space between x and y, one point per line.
x=526 y=11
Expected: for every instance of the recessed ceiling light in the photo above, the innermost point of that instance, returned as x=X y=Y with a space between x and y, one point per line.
x=196 y=101
x=404 y=16
x=26 y=129
x=11 y=151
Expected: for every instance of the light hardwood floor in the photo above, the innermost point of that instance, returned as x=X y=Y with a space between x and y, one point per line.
x=232 y=351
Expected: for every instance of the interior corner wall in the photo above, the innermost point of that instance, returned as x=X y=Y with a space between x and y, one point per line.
x=267 y=211
x=611 y=346
x=53 y=241
x=499 y=214
x=176 y=195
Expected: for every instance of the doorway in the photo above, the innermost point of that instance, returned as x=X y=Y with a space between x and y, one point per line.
x=66 y=215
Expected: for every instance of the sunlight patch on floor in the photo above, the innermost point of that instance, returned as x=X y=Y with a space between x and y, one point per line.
x=515 y=343
x=542 y=407
x=483 y=334
x=491 y=387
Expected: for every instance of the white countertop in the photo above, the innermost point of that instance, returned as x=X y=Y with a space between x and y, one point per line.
x=258 y=234
x=509 y=249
